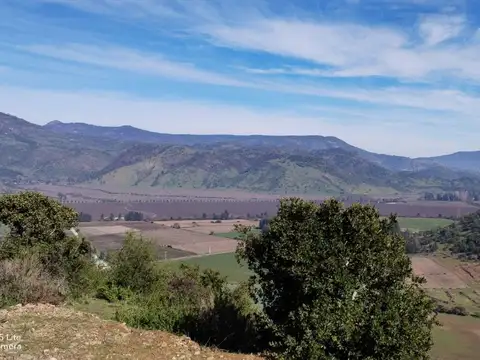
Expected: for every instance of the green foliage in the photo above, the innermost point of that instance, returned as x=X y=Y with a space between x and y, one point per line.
x=113 y=293
x=197 y=303
x=134 y=216
x=33 y=218
x=461 y=237
x=336 y=283
x=133 y=266
x=38 y=227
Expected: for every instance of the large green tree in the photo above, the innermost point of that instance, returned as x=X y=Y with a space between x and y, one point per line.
x=335 y=283
x=38 y=224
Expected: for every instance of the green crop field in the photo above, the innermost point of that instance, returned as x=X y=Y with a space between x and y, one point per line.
x=225 y=264
x=230 y=235
x=422 y=224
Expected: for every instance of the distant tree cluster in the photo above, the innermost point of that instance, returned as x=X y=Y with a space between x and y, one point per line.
x=223 y=216
x=134 y=216
x=84 y=217
x=452 y=196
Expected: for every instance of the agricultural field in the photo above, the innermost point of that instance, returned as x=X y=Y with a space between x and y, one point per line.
x=189 y=238
x=450 y=281
x=225 y=264
x=422 y=224
x=162 y=209
x=457 y=338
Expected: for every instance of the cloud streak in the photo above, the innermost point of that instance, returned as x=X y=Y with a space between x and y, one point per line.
x=130 y=60
x=398 y=65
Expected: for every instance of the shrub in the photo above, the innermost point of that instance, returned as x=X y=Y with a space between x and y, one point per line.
x=113 y=293
x=25 y=280
x=233 y=323
x=456 y=310
x=199 y=304
x=38 y=227
x=133 y=266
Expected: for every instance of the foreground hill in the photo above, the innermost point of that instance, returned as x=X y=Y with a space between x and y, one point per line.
x=49 y=332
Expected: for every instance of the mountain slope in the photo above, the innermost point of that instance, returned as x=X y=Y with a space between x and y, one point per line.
x=28 y=151
x=467 y=161
x=265 y=169
x=292 y=143
x=128 y=157
x=464 y=160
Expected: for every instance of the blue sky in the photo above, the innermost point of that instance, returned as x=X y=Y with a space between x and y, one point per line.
x=392 y=76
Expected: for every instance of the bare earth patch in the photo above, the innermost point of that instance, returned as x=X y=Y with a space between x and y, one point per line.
x=437 y=276
x=49 y=332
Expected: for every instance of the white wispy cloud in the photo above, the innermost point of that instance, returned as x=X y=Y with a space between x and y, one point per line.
x=131 y=60
x=435 y=29
x=148 y=63
x=428 y=51
x=347 y=48
x=356 y=50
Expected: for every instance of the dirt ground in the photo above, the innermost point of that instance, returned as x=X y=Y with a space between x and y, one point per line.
x=206 y=226
x=192 y=237
x=47 y=332
x=437 y=276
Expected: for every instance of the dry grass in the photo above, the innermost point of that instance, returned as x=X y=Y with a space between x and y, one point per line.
x=49 y=332
x=25 y=281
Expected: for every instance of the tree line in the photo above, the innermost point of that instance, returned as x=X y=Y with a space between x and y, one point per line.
x=452 y=196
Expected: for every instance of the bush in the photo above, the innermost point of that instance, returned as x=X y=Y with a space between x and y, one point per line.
x=456 y=310
x=233 y=323
x=38 y=226
x=133 y=266
x=25 y=281
x=113 y=293
x=201 y=305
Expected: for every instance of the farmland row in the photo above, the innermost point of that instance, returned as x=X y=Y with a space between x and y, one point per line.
x=195 y=208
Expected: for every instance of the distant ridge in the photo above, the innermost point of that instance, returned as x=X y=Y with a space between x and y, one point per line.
x=126 y=156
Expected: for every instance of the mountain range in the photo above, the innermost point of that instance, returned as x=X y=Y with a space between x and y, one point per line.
x=130 y=157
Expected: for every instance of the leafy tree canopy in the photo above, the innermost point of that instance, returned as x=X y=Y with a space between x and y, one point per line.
x=335 y=283
x=38 y=224
x=34 y=218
